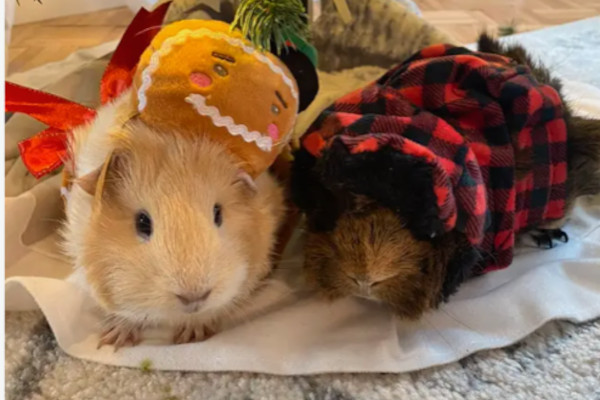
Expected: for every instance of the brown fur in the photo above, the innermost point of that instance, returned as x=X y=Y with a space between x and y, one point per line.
x=178 y=181
x=584 y=157
x=370 y=254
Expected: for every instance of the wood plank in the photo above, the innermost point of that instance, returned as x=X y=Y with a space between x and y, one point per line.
x=39 y=43
x=464 y=19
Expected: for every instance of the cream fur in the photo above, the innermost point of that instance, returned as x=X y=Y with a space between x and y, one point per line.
x=178 y=180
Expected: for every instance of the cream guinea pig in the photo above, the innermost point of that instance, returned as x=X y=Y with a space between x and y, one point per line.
x=169 y=231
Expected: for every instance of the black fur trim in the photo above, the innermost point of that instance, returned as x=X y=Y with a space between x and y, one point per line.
x=322 y=187
x=396 y=181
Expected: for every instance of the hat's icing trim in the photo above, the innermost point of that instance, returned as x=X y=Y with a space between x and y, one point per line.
x=181 y=37
x=265 y=143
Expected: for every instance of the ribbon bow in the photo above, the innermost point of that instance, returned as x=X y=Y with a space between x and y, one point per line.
x=46 y=151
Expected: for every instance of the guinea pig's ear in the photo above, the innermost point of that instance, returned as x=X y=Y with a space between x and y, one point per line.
x=89 y=181
x=243 y=179
x=94 y=183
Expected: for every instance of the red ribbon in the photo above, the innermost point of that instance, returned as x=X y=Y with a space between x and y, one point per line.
x=52 y=110
x=46 y=151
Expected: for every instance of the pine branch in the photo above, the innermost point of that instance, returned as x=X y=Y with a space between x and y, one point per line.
x=267 y=21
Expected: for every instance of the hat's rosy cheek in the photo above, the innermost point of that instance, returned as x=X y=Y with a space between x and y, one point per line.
x=273 y=131
x=200 y=79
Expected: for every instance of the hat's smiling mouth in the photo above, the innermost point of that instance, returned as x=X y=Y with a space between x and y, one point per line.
x=263 y=142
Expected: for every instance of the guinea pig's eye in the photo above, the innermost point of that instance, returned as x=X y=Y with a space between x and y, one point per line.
x=274 y=109
x=143 y=224
x=220 y=70
x=217 y=214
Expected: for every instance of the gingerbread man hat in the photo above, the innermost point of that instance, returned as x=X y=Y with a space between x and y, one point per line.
x=242 y=88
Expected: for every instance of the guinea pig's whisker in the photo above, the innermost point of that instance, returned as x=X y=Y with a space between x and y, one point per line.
x=58 y=220
x=148 y=29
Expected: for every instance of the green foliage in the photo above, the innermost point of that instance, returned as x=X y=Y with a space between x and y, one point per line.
x=263 y=21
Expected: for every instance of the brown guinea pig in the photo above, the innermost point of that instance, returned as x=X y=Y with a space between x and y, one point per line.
x=370 y=254
x=170 y=232
x=393 y=250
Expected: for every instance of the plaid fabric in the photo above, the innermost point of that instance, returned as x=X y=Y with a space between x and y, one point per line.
x=470 y=116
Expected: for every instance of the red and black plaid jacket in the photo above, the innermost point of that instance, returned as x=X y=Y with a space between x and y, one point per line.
x=467 y=117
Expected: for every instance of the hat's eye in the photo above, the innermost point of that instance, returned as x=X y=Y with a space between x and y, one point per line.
x=220 y=70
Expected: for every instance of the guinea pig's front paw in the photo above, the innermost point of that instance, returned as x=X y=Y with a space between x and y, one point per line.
x=120 y=333
x=190 y=332
x=545 y=237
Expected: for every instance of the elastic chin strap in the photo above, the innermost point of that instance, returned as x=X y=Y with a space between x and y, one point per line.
x=99 y=188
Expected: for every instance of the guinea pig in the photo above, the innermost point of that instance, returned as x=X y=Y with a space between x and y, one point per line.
x=369 y=253
x=385 y=243
x=169 y=231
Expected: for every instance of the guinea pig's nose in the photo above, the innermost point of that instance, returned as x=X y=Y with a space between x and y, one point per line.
x=193 y=297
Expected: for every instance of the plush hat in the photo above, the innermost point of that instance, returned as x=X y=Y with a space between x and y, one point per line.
x=241 y=83
x=205 y=77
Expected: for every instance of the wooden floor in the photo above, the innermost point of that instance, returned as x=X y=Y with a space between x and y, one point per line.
x=465 y=19
x=38 y=43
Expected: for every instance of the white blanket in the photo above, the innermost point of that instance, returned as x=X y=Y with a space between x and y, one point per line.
x=310 y=336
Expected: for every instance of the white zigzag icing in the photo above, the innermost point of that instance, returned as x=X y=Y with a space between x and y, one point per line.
x=265 y=143
x=181 y=37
